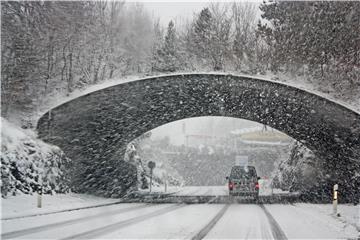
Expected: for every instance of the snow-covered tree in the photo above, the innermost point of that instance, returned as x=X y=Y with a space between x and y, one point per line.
x=314 y=177
x=166 y=58
x=244 y=49
x=200 y=37
x=321 y=35
x=29 y=165
x=209 y=38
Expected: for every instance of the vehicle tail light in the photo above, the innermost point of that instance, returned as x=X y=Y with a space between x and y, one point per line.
x=257 y=186
x=231 y=185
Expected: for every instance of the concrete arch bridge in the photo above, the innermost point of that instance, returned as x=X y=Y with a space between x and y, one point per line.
x=94 y=129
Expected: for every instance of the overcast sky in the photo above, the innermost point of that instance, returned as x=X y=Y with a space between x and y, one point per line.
x=175 y=11
x=179 y=10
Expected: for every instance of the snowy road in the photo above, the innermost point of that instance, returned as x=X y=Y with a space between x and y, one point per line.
x=216 y=190
x=182 y=221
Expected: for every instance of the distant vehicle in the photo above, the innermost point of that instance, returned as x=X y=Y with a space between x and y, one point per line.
x=243 y=181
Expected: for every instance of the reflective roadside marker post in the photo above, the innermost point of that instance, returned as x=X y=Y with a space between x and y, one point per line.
x=335 y=198
x=39 y=197
x=39 y=200
x=358 y=221
x=165 y=182
x=151 y=165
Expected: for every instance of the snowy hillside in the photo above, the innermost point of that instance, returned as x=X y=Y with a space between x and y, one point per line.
x=28 y=163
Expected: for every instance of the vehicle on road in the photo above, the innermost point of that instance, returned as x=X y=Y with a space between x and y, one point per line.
x=243 y=181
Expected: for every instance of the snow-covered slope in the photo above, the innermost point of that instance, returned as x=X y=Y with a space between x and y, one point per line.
x=28 y=163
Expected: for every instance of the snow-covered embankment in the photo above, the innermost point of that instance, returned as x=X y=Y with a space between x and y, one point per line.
x=28 y=163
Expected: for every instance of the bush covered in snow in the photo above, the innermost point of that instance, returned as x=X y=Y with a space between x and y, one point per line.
x=314 y=177
x=301 y=172
x=28 y=164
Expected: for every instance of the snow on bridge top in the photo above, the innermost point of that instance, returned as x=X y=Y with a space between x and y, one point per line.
x=57 y=101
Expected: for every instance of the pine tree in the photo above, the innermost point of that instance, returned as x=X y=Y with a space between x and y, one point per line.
x=209 y=38
x=156 y=48
x=202 y=33
x=314 y=33
x=169 y=50
x=167 y=58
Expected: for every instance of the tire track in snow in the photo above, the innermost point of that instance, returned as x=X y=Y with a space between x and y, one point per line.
x=276 y=230
x=205 y=230
x=41 y=228
x=95 y=233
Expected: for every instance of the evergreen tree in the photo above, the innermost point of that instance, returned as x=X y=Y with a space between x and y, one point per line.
x=170 y=49
x=167 y=58
x=156 y=49
x=318 y=34
x=202 y=33
x=209 y=38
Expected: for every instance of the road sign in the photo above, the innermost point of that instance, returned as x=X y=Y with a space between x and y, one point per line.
x=241 y=160
x=151 y=165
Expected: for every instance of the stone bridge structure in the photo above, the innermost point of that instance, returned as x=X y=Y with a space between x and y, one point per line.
x=94 y=129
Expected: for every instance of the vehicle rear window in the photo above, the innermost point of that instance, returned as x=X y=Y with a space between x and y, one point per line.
x=243 y=172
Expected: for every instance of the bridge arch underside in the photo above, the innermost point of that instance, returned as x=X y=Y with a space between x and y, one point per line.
x=93 y=127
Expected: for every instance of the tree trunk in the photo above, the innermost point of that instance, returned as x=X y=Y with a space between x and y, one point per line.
x=97 y=68
x=63 y=70
x=103 y=73
x=70 y=75
x=50 y=63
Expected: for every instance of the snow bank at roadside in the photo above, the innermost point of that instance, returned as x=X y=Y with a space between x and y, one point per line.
x=28 y=164
x=349 y=214
x=24 y=205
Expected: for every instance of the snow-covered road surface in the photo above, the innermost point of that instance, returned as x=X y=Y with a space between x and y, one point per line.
x=215 y=190
x=26 y=205
x=182 y=221
x=202 y=191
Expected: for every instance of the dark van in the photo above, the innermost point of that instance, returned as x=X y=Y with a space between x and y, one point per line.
x=243 y=181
